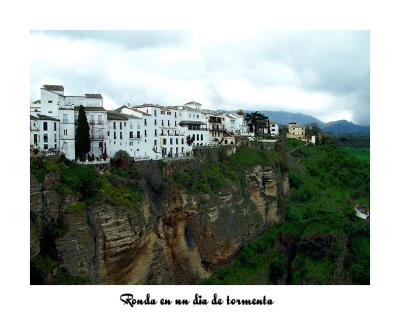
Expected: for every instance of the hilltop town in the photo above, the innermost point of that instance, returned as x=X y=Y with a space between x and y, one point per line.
x=145 y=132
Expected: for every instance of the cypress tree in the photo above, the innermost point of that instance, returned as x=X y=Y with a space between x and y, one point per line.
x=82 y=139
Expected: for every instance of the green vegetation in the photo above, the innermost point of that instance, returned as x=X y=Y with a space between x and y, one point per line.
x=362 y=154
x=320 y=229
x=222 y=171
x=353 y=140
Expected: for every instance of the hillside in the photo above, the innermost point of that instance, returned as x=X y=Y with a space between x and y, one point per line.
x=320 y=241
x=229 y=218
x=344 y=126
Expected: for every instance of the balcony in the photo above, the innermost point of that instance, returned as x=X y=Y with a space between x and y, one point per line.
x=197 y=127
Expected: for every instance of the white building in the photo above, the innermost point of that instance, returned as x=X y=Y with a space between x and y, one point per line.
x=147 y=131
x=236 y=124
x=45 y=133
x=274 y=128
x=53 y=103
x=193 y=124
x=215 y=125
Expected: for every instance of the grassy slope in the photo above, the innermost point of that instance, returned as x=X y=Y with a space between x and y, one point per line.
x=362 y=154
x=325 y=181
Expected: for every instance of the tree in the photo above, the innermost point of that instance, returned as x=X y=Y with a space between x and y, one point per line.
x=82 y=139
x=256 y=122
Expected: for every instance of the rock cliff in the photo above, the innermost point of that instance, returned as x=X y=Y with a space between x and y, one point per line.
x=174 y=237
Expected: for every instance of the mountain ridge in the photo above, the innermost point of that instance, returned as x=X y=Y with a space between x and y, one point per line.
x=337 y=126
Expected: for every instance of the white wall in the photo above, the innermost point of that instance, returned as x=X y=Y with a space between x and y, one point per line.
x=46 y=139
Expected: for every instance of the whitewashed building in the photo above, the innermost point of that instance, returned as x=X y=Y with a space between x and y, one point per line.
x=274 y=129
x=236 y=124
x=193 y=124
x=45 y=133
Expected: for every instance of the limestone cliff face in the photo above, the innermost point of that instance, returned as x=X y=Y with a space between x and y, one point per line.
x=179 y=239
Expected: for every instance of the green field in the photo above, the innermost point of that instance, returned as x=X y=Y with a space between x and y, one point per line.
x=362 y=154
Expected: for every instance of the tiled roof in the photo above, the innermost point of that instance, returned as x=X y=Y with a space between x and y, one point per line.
x=192 y=102
x=113 y=115
x=139 y=111
x=50 y=87
x=93 y=96
x=91 y=109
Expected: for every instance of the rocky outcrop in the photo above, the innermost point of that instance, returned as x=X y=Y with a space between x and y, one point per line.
x=179 y=238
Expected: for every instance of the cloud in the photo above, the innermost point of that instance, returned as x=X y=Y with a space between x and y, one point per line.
x=325 y=74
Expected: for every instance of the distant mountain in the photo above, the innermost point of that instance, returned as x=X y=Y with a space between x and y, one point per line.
x=284 y=118
x=344 y=126
x=340 y=126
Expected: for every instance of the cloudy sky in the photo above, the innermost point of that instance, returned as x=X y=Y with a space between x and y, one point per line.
x=324 y=74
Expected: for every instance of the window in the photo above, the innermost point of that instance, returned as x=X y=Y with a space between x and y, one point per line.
x=130 y=134
x=100 y=119
x=46 y=146
x=168 y=113
x=45 y=125
x=197 y=137
x=155 y=142
x=114 y=125
x=50 y=112
x=155 y=132
x=145 y=133
x=124 y=123
x=120 y=134
x=145 y=122
x=162 y=122
x=115 y=135
x=170 y=141
x=55 y=138
x=45 y=138
x=162 y=112
x=175 y=114
x=155 y=113
x=197 y=116
x=65 y=132
x=138 y=134
x=164 y=141
x=100 y=144
x=182 y=150
x=176 y=141
x=55 y=146
x=120 y=125
x=155 y=122
x=175 y=123
x=201 y=137
x=35 y=138
x=55 y=126
x=182 y=140
x=168 y=123
x=49 y=101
